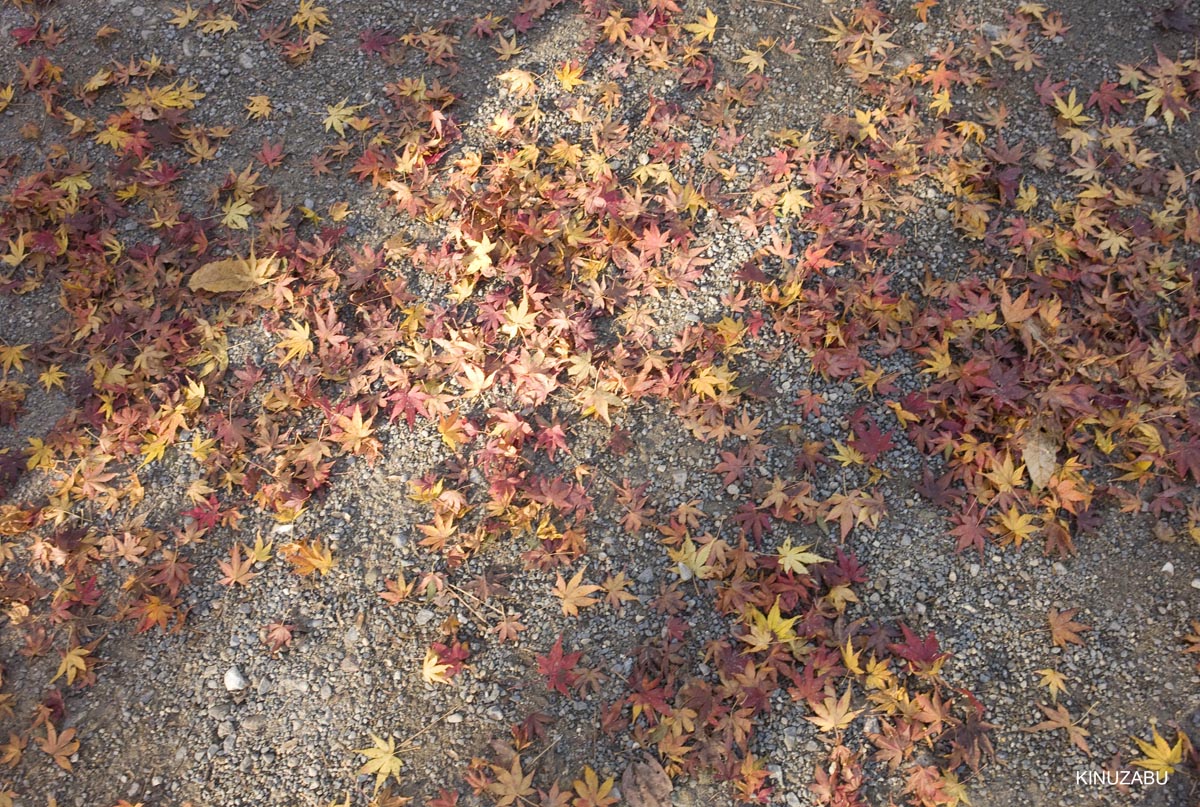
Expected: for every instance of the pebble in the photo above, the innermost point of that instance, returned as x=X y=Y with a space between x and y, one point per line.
x=424 y=616
x=1168 y=568
x=454 y=718
x=1196 y=582
x=234 y=680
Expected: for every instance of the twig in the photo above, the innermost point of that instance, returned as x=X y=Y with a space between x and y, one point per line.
x=406 y=743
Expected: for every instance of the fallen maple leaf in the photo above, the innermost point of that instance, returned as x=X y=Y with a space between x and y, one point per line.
x=833 y=714
x=703 y=28
x=1054 y=681
x=591 y=792
x=278 y=636
x=1063 y=629
x=512 y=783
x=574 y=593
x=1160 y=757
x=337 y=116
x=307 y=557
x=1060 y=718
x=382 y=761
x=58 y=745
x=558 y=667
x=237 y=571
x=233 y=274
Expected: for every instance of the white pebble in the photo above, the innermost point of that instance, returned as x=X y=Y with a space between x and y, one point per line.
x=1168 y=568
x=234 y=680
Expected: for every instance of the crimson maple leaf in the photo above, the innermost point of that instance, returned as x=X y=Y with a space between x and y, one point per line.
x=206 y=515
x=559 y=667
x=924 y=656
x=375 y=41
x=968 y=532
x=870 y=441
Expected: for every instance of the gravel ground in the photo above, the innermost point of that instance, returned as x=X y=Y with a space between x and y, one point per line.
x=207 y=715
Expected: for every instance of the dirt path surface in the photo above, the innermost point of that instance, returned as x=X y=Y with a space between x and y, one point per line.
x=581 y=403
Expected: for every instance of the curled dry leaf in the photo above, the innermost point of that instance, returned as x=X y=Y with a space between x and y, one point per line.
x=1040 y=456
x=646 y=784
x=233 y=274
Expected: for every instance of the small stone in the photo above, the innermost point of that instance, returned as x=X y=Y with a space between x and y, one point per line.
x=234 y=680
x=1168 y=568
x=454 y=718
x=1196 y=582
x=973 y=570
x=246 y=60
x=424 y=616
x=494 y=713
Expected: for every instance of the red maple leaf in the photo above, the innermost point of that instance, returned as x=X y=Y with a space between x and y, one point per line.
x=559 y=667
x=375 y=41
x=271 y=154
x=968 y=532
x=924 y=656
x=870 y=441
x=206 y=515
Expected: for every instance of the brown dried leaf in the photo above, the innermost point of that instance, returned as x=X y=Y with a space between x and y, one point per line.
x=646 y=784
x=1040 y=456
x=1064 y=629
x=233 y=274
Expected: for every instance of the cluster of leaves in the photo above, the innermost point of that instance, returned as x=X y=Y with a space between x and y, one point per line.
x=1066 y=351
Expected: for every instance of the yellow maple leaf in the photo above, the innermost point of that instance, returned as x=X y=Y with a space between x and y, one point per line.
x=296 y=343
x=1054 y=681
x=704 y=27
x=338 y=115
x=833 y=714
x=796 y=559
x=309 y=16
x=507 y=48
x=221 y=24
x=753 y=59
x=1160 y=757
x=1070 y=110
x=692 y=560
x=184 y=16
x=382 y=761
x=74 y=661
x=259 y=107
x=236 y=211
x=433 y=670
x=570 y=75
